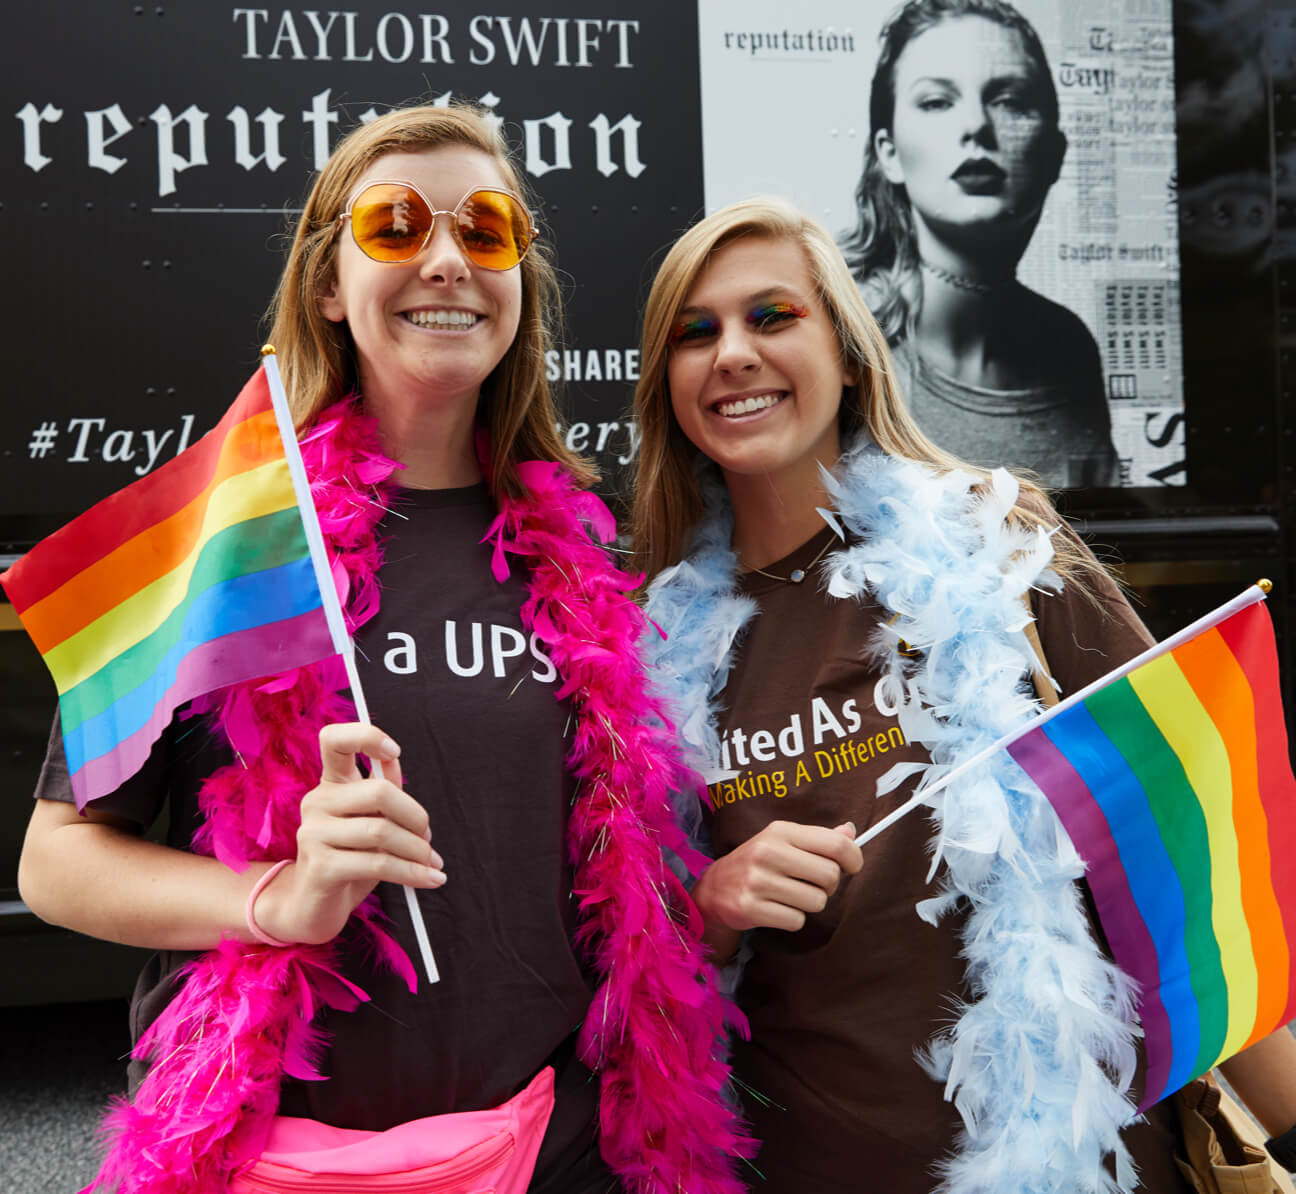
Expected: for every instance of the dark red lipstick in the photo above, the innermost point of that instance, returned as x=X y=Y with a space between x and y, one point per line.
x=980 y=176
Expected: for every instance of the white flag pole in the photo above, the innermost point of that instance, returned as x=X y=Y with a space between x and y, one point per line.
x=1249 y=596
x=332 y=607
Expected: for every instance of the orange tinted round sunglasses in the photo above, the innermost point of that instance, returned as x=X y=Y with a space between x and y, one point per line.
x=392 y=221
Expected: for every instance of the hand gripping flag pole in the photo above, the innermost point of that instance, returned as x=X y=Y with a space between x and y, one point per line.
x=208 y=572
x=332 y=607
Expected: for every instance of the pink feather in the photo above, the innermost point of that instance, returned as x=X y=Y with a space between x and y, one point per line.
x=243 y=1015
x=656 y=1027
x=220 y=1049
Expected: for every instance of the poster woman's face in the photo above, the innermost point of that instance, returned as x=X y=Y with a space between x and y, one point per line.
x=970 y=139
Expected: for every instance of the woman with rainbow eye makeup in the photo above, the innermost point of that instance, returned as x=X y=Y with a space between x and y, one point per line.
x=839 y=604
x=964 y=147
x=519 y=783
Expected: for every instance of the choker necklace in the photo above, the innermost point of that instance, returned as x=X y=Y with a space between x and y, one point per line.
x=797 y=575
x=972 y=285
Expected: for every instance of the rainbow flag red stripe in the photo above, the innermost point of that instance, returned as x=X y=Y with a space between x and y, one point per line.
x=1174 y=783
x=195 y=577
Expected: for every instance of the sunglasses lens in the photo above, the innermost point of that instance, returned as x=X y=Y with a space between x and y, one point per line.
x=494 y=229
x=390 y=222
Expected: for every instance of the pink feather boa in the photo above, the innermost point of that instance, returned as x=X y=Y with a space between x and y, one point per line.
x=653 y=1027
x=242 y=1015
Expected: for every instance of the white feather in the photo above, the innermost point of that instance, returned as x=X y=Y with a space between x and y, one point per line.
x=1047 y=1017
x=839 y=586
x=894 y=776
x=830 y=517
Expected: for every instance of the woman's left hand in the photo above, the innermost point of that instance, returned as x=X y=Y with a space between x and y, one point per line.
x=356 y=831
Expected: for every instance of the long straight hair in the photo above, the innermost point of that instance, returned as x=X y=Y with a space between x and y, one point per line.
x=317 y=357
x=668 y=498
x=882 y=249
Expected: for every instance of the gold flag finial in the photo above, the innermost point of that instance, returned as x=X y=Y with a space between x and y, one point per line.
x=267 y=350
x=1265 y=585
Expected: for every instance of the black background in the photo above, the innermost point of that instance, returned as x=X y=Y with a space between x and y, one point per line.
x=114 y=311
x=140 y=316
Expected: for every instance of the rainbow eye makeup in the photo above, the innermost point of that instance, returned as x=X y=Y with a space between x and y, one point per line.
x=771 y=315
x=766 y=317
x=696 y=327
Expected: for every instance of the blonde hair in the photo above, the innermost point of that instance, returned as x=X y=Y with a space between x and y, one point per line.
x=667 y=496
x=317 y=356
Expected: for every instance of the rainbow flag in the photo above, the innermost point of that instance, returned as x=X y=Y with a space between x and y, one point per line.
x=1174 y=783
x=197 y=576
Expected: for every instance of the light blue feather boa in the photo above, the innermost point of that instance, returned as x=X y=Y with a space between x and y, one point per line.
x=1040 y=1059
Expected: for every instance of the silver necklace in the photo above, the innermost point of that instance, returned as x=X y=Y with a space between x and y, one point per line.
x=797 y=575
x=972 y=285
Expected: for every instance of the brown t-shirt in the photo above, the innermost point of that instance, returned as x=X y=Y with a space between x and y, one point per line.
x=450 y=673
x=838 y=1009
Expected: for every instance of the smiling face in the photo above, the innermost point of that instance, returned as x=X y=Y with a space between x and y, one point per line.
x=436 y=326
x=755 y=369
x=972 y=138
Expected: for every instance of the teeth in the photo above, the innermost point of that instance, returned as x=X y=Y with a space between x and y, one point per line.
x=745 y=406
x=442 y=319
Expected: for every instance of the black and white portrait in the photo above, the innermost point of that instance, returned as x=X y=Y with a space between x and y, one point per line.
x=1000 y=178
x=964 y=146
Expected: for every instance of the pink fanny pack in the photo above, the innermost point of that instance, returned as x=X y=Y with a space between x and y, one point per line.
x=468 y=1152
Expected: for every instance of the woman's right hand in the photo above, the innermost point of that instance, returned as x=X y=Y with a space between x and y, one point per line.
x=773 y=880
x=355 y=832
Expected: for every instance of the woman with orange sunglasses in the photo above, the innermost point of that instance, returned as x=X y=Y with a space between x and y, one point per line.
x=517 y=783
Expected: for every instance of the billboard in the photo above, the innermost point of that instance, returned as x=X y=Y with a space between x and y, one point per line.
x=1005 y=191
x=155 y=155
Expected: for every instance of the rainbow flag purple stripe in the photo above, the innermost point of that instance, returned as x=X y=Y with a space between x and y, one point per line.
x=1173 y=782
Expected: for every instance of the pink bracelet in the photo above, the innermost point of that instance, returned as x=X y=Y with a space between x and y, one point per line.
x=261 y=884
